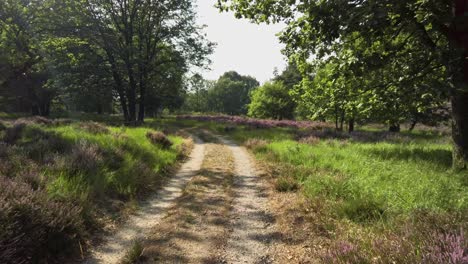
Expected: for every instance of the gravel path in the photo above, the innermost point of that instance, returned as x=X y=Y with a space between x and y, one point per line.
x=151 y=212
x=251 y=228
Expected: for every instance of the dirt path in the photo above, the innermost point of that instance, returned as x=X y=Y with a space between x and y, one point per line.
x=115 y=247
x=194 y=229
x=251 y=224
x=214 y=211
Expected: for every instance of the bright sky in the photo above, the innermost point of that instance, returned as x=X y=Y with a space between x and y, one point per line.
x=247 y=48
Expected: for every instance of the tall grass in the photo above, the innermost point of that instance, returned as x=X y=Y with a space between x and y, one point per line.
x=64 y=177
x=373 y=196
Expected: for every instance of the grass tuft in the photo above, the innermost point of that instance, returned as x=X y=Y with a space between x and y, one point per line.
x=134 y=254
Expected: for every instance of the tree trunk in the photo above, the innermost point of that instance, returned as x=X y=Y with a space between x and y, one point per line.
x=458 y=71
x=351 y=125
x=141 y=110
x=395 y=128
x=460 y=129
x=118 y=84
x=413 y=125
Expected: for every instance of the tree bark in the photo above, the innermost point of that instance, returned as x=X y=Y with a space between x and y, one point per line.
x=141 y=110
x=460 y=129
x=458 y=36
x=413 y=125
x=351 y=125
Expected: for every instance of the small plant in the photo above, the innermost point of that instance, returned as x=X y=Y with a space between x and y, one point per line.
x=255 y=144
x=311 y=140
x=343 y=252
x=85 y=157
x=286 y=184
x=160 y=139
x=134 y=254
x=34 y=227
x=94 y=128
x=447 y=248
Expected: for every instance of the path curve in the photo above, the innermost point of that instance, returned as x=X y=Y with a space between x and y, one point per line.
x=251 y=223
x=151 y=212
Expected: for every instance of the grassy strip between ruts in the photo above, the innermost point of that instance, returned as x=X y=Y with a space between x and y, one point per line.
x=384 y=197
x=62 y=181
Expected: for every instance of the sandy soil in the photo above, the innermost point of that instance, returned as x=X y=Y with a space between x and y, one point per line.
x=251 y=229
x=194 y=229
x=150 y=213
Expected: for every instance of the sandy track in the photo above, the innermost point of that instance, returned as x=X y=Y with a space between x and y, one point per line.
x=194 y=230
x=251 y=224
x=115 y=247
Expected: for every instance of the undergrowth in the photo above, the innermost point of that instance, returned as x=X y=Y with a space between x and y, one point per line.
x=58 y=179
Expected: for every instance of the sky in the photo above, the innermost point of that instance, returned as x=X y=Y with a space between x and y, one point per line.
x=247 y=48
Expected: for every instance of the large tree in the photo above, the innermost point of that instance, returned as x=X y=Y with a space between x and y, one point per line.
x=432 y=34
x=231 y=93
x=134 y=35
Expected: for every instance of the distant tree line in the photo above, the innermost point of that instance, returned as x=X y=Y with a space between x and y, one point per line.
x=126 y=56
x=230 y=94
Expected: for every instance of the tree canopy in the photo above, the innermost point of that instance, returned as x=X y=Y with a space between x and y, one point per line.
x=391 y=48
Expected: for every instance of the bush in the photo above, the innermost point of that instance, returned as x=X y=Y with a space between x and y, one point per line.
x=35 y=228
x=286 y=184
x=94 y=128
x=85 y=157
x=256 y=144
x=159 y=139
x=14 y=133
x=311 y=140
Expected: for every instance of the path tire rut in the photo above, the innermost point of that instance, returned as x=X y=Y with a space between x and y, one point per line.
x=114 y=248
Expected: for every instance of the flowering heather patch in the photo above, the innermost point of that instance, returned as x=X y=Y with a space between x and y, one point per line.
x=255 y=123
x=447 y=248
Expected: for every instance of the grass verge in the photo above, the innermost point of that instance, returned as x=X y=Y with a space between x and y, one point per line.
x=63 y=182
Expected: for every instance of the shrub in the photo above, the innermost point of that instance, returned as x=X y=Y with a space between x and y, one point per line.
x=159 y=139
x=14 y=133
x=256 y=123
x=286 y=184
x=311 y=140
x=35 y=228
x=343 y=252
x=2 y=126
x=447 y=248
x=85 y=157
x=94 y=128
x=255 y=144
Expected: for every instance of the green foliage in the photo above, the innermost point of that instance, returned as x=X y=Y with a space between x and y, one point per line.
x=230 y=94
x=400 y=59
x=272 y=100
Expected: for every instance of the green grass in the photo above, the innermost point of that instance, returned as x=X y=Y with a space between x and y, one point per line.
x=130 y=162
x=399 y=177
x=390 y=197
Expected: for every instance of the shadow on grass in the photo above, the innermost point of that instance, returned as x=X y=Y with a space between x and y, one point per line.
x=441 y=157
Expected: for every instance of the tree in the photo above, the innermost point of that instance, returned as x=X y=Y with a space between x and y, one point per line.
x=23 y=74
x=134 y=34
x=432 y=35
x=231 y=93
x=272 y=100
